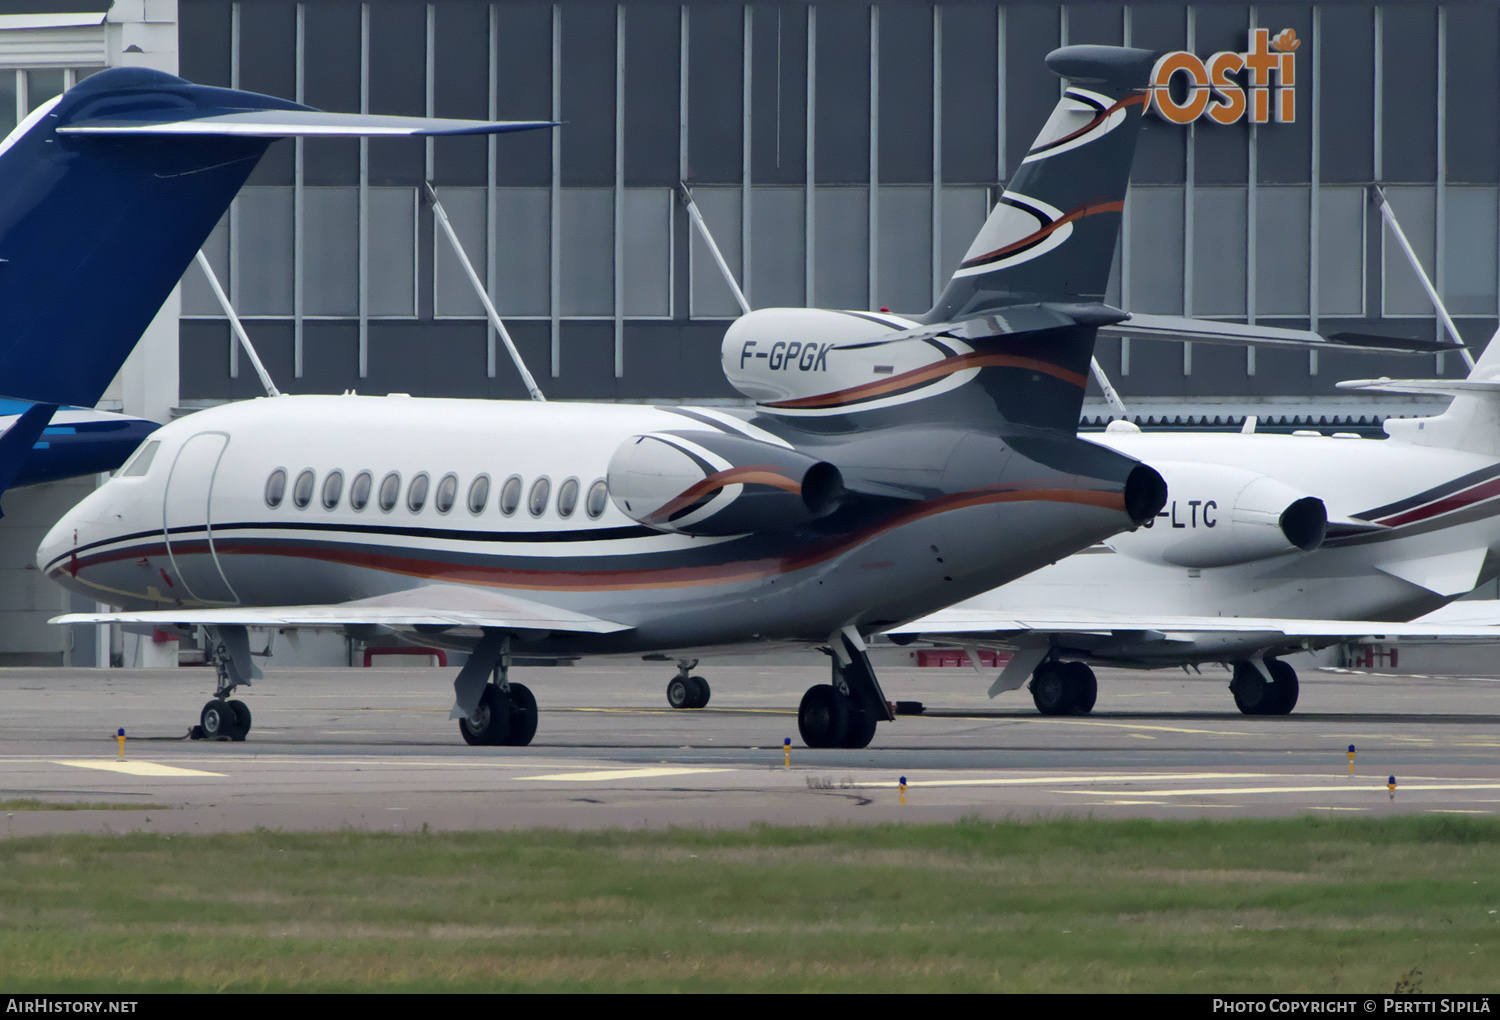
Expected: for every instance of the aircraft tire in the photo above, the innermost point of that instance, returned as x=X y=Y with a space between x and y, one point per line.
x=1252 y=695
x=1050 y=691
x=493 y=723
x=861 y=730
x=1083 y=684
x=219 y=721
x=823 y=717
x=701 y=692
x=242 y=719
x=680 y=692
x=523 y=716
x=1286 y=687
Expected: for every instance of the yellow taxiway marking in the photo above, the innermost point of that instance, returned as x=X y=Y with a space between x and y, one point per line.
x=138 y=768
x=1161 y=729
x=1227 y=790
x=1458 y=811
x=604 y=775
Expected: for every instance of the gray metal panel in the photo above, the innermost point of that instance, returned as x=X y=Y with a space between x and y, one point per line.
x=1347 y=92
x=203 y=53
x=398 y=85
x=648 y=252
x=197 y=298
x=524 y=90
x=711 y=296
x=586 y=244
x=843 y=94
x=1285 y=150
x=905 y=95
x=1473 y=99
x=1282 y=271
x=778 y=107
x=268 y=64
x=841 y=267
x=905 y=260
x=1469 y=279
x=1341 y=251
x=392 y=251
x=428 y=359
x=969 y=102
x=1160 y=155
x=461 y=89
x=330 y=81
x=1410 y=99
x=715 y=86
x=330 y=357
x=452 y=294
x=651 y=47
x=522 y=219
x=1030 y=89
x=1156 y=238
x=1219 y=227
x=262 y=252
x=588 y=94
x=777 y=253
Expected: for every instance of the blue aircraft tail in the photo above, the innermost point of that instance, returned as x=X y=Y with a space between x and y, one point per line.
x=108 y=191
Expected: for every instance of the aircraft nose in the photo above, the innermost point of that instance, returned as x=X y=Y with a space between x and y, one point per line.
x=58 y=542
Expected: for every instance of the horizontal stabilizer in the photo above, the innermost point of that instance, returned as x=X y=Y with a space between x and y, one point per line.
x=292 y=124
x=1446 y=387
x=1183 y=328
x=429 y=606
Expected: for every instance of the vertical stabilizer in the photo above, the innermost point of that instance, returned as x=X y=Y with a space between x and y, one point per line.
x=1471 y=422
x=1052 y=235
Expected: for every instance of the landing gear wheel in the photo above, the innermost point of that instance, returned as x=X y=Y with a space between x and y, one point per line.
x=680 y=692
x=220 y=721
x=1083 y=685
x=523 y=717
x=861 y=729
x=491 y=722
x=823 y=717
x=1254 y=696
x=1051 y=691
x=701 y=692
x=1286 y=687
x=242 y=712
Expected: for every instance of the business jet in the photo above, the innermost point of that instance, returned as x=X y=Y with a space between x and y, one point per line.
x=891 y=466
x=1293 y=542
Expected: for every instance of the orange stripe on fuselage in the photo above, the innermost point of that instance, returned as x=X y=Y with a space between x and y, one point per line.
x=937 y=369
x=764 y=474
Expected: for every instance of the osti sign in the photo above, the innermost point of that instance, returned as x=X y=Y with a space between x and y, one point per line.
x=1228 y=86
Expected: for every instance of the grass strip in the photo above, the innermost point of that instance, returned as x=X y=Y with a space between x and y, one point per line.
x=28 y=804
x=1309 y=904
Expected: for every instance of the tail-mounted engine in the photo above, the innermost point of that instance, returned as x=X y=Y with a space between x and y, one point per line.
x=1218 y=516
x=708 y=483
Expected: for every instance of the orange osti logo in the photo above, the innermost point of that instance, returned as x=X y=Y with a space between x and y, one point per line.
x=1227 y=86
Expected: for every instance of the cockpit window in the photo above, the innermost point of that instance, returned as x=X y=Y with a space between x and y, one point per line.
x=141 y=462
x=302 y=491
x=276 y=487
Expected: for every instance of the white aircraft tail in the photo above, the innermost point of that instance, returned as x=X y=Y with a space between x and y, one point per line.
x=1471 y=422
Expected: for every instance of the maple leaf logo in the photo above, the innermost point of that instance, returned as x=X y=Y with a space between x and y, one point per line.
x=1286 y=40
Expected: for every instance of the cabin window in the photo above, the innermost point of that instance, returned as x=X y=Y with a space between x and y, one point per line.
x=390 y=491
x=416 y=495
x=447 y=493
x=359 y=490
x=141 y=463
x=510 y=495
x=537 y=501
x=567 y=498
x=302 y=491
x=479 y=494
x=333 y=489
x=276 y=487
x=598 y=499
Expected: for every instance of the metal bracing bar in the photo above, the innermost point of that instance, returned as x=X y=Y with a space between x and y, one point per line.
x=713 y=249
x=484 y=298
x=1109 y=391
x=1411 y=256
x=239 y=330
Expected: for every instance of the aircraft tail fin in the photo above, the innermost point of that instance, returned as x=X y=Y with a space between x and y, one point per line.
x=1052 y=235
x=16 y=442
x=106 y=194
x=1471 y=422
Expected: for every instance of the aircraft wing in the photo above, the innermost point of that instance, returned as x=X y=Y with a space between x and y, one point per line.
x=428 y=606
x=979 y=626
x=292 y=124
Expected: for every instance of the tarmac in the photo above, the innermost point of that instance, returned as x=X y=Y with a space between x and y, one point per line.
x=374 y=749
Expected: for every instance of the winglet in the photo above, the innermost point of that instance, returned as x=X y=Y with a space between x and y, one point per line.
x=17 y=441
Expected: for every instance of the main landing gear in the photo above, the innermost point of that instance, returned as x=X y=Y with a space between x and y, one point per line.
x=846 y=712
x=229 y=651
x=686 y=690
x=1255 y=694
x=1064 y=688
x=492 y=711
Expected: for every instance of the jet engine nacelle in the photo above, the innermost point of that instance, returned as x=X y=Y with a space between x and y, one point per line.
x=786 y=354
x=708 y=483
x=1217 y=516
